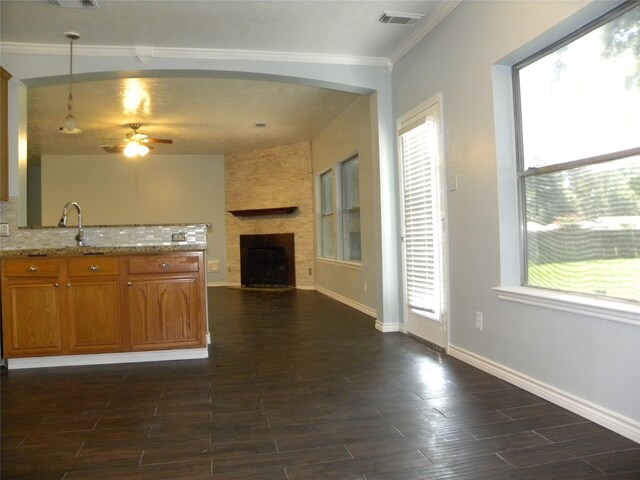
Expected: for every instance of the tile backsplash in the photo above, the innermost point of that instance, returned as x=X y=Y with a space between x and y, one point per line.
x=103 y=236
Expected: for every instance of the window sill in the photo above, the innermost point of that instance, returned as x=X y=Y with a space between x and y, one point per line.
x=616 y=311
x=340 y=263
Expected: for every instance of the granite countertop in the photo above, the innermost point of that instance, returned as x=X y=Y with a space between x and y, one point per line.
x=124 y=225
x=104 y=250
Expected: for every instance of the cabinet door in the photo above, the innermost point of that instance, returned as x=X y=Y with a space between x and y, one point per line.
x=94 y=315
x=31 y=318
x=165 y=313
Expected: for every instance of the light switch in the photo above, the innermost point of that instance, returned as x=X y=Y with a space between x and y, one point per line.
x=453 y=183
x=4 y=229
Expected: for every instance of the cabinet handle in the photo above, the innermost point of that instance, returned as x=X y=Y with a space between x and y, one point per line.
x=129 y=284
x=56 y=285
x=32 y=268
x=94 y=268
x=164 y=265
x=69 y=285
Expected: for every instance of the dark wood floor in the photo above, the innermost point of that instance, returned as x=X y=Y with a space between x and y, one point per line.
x=297 y=387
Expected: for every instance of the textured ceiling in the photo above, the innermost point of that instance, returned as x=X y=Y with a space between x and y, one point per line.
x=307 y=26
x=200 y=115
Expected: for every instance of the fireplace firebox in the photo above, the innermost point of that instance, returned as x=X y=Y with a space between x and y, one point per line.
x=267 y=260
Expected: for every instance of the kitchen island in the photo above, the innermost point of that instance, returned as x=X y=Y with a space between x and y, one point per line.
x=109 y=304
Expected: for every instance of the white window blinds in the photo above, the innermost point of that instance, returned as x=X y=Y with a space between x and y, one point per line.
x=419 y=144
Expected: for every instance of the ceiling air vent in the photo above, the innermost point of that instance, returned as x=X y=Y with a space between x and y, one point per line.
x=400 y=18
x=74 y=3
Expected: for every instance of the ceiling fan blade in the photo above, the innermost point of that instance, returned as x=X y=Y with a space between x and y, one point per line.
x=157 y=140
x=113 y=148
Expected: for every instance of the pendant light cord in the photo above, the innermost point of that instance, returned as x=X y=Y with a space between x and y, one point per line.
x=70 y=101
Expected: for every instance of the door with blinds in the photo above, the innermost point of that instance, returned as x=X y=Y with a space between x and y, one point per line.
x=423 y=243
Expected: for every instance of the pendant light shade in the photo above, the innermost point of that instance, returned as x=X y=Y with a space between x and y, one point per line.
x=69 y=125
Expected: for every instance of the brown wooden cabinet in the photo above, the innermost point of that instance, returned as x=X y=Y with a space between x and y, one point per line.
x=166 y=301
x=94 y=304
x=31 y=308
x=87 y=304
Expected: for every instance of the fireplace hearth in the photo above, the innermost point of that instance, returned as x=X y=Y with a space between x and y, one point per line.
x=267 y=260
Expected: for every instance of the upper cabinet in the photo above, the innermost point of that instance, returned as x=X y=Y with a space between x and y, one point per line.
x=4 y=134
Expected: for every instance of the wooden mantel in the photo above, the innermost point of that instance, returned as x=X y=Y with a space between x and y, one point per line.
x=260 y=212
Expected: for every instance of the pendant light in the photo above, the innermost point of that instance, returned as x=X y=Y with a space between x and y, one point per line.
x=69 y=125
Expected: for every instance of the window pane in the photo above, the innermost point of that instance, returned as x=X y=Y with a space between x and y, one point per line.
x=326 y=192
x=582 y=100
x=583 y=229
x=326 y=236
x=421 y=212
x=326 y=249
x=350 y=181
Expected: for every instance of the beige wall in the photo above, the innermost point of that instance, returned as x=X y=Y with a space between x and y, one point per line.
x=348 y=134
x=271 y=177
x=156 y=189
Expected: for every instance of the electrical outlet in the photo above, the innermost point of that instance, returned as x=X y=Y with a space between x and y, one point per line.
x=179 y=237
x=4 y=229
x=479 y=320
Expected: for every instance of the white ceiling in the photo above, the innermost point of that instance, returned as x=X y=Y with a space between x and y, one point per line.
x=206 y=115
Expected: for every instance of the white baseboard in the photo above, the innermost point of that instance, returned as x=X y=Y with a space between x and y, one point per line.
x=347 y=301
x=597 y=414
x=388 y=327
x=236 y=285
x=107 y=358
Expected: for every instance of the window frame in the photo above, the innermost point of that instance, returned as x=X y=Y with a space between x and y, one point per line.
x=516 y=294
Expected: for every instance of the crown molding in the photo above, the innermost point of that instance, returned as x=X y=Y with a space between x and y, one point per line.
x=432 y=21
x=192 y=53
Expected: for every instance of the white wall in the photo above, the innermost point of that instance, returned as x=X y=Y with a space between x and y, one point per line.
x=348 y=134
x=594 y=362
x=156 y=189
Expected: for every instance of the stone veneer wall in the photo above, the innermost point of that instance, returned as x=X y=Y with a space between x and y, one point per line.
x=266 y=178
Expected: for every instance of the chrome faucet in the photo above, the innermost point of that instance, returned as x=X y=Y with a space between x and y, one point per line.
x=80 y=237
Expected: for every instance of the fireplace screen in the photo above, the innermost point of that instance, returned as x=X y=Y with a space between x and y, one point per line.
x=267 y=260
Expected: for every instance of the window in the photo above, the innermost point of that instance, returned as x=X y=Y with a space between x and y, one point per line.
x=325 y=242
x=578 y=143
x=339 y=234
x=350 y=210
x=422 y=212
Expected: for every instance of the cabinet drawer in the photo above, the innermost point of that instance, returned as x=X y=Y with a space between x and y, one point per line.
x=92 y=266
x=163 y=264
x=32 y=267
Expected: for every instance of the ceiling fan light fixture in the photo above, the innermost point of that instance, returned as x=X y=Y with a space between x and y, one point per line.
x=135 y=149
x=69 y=125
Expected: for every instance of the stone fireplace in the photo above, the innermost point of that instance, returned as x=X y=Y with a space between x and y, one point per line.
x=267 y=260
x=270 y=191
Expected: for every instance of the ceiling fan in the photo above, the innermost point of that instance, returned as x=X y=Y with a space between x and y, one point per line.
x=136 y=144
